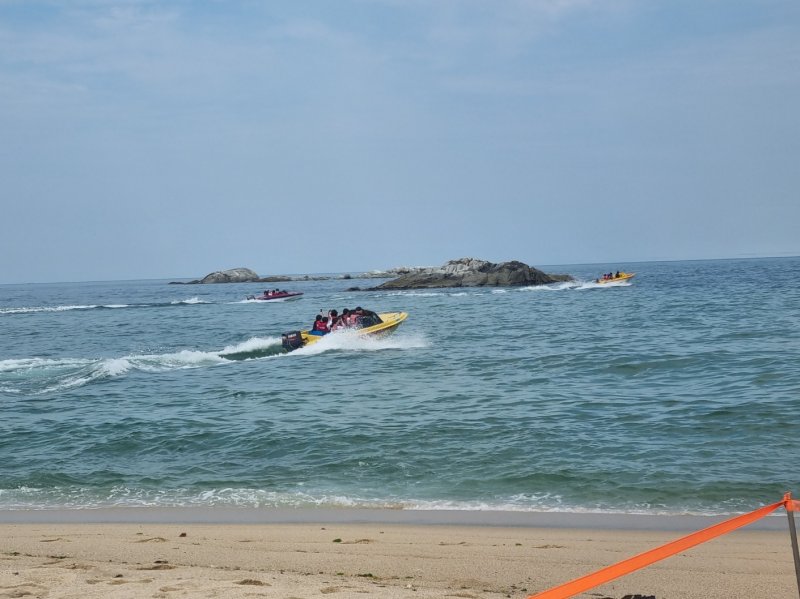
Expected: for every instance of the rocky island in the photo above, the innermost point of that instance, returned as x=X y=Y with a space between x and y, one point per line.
x=464 y=272
x=233 y=275
x=472 y=272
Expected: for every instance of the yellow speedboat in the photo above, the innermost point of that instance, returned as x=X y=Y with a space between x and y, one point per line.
x=389 y=322
x=618 y=278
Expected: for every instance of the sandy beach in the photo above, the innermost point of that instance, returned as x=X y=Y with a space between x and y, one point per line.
x=380 y=559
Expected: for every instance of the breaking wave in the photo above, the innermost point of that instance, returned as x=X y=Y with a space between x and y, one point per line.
x=77 y=497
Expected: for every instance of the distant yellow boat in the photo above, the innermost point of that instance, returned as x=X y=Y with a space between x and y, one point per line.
x=623 y=276
x=389 y=322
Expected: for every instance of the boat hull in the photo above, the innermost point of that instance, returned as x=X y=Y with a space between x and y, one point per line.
x=389 y=324
x=276 y=297
x=623 y=276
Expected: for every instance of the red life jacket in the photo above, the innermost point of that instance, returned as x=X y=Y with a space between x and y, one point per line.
x=320 y=325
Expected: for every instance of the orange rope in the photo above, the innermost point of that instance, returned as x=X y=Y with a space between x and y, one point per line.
x=627 y=566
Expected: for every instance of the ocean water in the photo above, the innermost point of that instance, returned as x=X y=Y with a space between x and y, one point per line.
x=678 y=392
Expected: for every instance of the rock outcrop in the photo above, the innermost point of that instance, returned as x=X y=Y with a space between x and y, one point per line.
x=465 y=272
x=233 y=275
x=390 y=273
x=471 y=272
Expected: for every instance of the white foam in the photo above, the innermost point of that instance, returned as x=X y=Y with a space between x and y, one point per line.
x=174 y=361
x=577 y=285
x=24 y=497
x=609 y=285
x=190 y=301
x=252 y=344
x=561 y=286
x=352 y=341
x=12 y=365
x=115 y=366
x=45 y=375
x=27 y=310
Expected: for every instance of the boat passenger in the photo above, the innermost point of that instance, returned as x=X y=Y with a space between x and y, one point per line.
x=355 y=319
x=347 y=318
x=616 y=276
x=367 y=318
x=320 y=326
x=333 y=315
x=341 y=320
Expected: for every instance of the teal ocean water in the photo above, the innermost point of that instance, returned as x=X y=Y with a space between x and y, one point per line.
x=676 y=393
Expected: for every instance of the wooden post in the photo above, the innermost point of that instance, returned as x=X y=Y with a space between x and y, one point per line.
x=795 y=551
x=793 y=534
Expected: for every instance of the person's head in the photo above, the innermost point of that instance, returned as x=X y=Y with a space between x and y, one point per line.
x=334 y=313
x=359 y=310
x=319 y=317
x=346 y=311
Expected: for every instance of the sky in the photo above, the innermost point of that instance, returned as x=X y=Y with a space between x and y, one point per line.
x=148 y=139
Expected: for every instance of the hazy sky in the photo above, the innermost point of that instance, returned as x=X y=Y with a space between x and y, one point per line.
x=150 y=139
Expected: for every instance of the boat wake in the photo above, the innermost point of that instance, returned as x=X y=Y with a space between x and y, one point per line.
x=352 y=341
x=253 y=348
x=41 y=376
x=69 y=308
x=576 y=285
x=38 y=376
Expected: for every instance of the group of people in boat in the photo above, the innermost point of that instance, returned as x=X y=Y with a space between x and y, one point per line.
x=348 y=319
x=610 y=276
x=272 y=292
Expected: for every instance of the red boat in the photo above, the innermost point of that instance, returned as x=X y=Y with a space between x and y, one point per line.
x=272 y=296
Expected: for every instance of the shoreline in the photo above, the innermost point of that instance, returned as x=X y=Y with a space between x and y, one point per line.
x=222 y=515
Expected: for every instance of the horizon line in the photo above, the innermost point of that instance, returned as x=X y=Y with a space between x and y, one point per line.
x=350 y=272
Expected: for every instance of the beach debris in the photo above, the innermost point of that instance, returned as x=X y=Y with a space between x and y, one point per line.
x=183 y=534
x=357 y=542
x=160 y=564
x=253 y=582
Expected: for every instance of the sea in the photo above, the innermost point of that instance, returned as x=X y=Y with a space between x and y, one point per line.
x=677 y=392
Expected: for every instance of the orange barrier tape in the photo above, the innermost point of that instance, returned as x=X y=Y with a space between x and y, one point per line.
x=790 y=504
x=629 y=565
